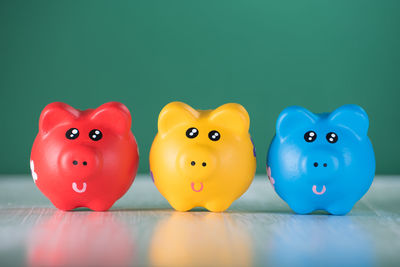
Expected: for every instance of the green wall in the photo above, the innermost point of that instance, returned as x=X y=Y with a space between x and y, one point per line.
x=263 y=54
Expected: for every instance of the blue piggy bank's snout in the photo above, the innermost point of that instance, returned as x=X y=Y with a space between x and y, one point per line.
x=321 y=165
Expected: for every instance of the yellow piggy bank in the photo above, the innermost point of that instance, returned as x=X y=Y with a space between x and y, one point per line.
x=202 y=158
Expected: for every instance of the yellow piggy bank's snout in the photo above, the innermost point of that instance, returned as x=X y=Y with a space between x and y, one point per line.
x=197 y=162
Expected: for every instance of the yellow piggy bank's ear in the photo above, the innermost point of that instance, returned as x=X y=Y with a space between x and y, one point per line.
x=175 y=114
x=232 y=116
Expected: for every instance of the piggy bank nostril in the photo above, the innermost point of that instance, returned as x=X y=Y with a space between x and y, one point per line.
x=315 y=164
x=84 y=163
x=325 y=165
x=204 y=164
x=192 y=163
x=75 y=162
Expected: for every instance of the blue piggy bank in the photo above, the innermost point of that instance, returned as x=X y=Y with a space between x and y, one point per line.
x=321 y=161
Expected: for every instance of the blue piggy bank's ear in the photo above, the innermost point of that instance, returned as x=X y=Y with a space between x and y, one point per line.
x=292 y=118
x=352 y=117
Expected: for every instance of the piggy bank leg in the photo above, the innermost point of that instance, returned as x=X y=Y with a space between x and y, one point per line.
x=340 y=208
x=301 y=207
x=218 y=205
x=181 y=205
x=63 y=205
x=100 y=205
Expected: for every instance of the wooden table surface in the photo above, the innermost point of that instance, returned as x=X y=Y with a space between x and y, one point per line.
x=142 y=229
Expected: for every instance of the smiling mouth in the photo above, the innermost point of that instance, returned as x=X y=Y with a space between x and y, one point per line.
x=198 y=190
x=76 y=189
x=314 y=189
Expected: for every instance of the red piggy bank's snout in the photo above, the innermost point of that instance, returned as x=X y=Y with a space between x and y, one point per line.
x=79 y=162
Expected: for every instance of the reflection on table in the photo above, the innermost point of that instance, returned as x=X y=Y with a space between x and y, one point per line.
x=80 y=239
x=319 y=241
x=200 y=239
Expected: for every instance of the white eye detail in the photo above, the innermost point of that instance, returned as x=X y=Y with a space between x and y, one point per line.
x=214 y=135
x=192 y=132
x=72 y=133
x=310 y=136
x=95 y=135
x=332 y=137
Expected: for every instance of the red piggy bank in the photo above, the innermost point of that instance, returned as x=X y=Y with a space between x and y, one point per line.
x=84 y=158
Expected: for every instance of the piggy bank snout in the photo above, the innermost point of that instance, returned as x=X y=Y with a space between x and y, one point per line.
x=79 y=161
x=197 y=162
x=322 y=163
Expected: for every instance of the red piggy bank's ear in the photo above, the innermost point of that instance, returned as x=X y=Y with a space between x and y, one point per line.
x=54 y=114
x=113 y=115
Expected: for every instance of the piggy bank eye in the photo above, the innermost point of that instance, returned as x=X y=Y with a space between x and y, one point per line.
x=332 y=137
x=95 y=135
x=310 y=136
x=214 y=135
x=192 y=132
x=72 y=133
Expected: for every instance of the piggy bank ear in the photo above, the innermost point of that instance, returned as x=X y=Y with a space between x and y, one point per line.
x=352 y=117
x=292 y=118
x=113 y=115
x=233 y=116
x=175 y=114
x=54 y=114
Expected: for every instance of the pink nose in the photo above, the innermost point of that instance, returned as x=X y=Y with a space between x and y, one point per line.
x=79 y=162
